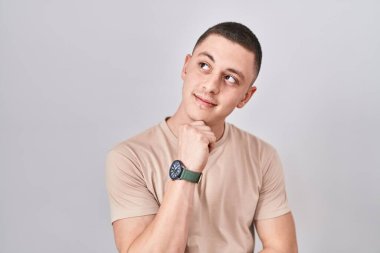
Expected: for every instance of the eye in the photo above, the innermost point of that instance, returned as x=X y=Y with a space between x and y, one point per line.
x=204 y=66
x=230 y=79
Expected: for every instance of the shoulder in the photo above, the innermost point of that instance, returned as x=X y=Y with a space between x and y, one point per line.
x=249 y=140
x=259 y=151
x=263 y=154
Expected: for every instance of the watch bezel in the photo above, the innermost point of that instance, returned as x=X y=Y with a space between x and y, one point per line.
x=174 y=167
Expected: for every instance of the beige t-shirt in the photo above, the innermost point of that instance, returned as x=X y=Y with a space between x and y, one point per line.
x=243 y=181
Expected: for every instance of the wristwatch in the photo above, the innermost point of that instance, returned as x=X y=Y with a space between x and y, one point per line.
x=179 y=171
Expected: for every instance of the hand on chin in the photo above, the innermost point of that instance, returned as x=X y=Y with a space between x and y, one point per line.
x=201 y=117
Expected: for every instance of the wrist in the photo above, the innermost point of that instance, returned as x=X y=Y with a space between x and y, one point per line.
x=191 y=165
x=179 y=171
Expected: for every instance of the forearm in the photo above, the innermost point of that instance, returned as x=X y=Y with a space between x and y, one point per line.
x=168 y=231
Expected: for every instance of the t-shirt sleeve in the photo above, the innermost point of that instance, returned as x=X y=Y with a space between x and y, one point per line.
x=127 y=191
x=272 y=197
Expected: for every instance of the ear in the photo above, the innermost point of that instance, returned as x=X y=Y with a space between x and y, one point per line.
x=185 y=64
x=247 y=96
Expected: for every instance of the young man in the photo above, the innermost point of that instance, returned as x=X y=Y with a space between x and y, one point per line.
x=195 y=183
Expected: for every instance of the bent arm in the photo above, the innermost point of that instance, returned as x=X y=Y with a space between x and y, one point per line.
x=167 y=231
x=278 y=235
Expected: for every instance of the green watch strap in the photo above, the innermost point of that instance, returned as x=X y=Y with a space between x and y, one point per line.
x=191 y=176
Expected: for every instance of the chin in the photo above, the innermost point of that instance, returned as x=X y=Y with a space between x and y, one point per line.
x=209 y=116
x=200 y=116
x=206 y=117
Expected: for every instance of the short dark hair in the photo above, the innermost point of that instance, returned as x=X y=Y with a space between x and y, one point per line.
x=239 y=34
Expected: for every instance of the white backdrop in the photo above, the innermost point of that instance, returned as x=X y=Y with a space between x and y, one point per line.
x=78 y=76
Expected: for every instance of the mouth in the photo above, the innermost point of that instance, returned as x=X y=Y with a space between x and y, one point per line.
x=204 y=101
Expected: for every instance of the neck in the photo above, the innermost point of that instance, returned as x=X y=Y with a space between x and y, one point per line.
x=180 y=118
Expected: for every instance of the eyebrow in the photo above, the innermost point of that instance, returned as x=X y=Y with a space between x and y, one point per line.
x=207 y=55
x=236 y=72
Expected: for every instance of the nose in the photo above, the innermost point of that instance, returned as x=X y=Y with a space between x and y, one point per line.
x=211 y=84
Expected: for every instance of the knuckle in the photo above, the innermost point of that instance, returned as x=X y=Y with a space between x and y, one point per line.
x=204 y=139
x=199 y=137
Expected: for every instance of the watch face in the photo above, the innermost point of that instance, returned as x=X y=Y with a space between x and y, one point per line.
x=175 y=170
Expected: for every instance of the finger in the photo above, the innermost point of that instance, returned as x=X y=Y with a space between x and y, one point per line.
x=210 y=137
x=203 y=128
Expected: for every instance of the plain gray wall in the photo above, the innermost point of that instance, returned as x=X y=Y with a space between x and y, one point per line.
x=77 y=77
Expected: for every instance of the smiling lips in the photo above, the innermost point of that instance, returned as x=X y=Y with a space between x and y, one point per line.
x=204 y=101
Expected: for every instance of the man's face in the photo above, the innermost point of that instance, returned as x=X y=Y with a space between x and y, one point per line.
x=216 y=79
